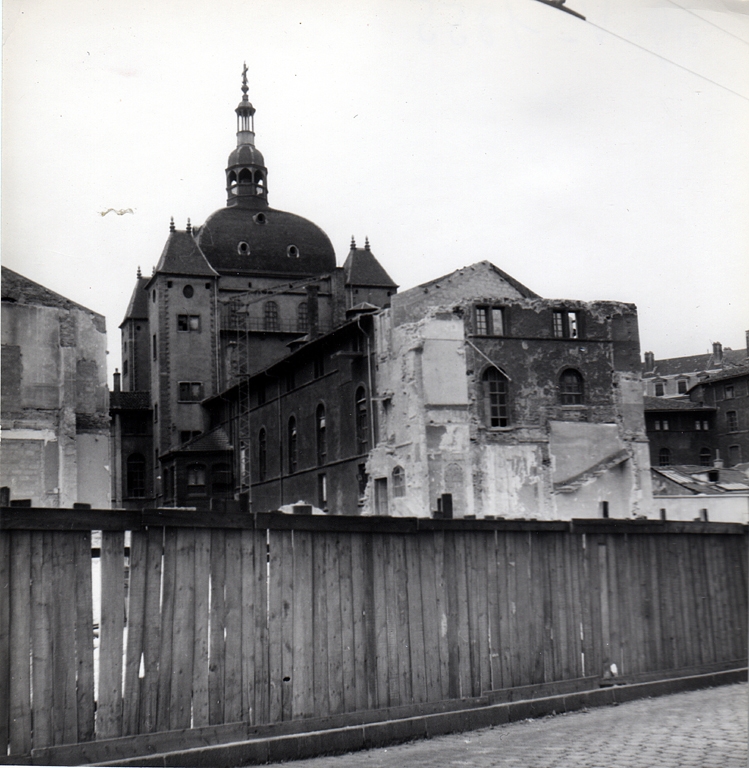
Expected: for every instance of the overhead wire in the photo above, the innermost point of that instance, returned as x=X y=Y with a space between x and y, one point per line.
x=707 y=21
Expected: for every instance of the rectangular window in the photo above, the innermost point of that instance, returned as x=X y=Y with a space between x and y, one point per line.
x=663 y=514
x=682 y=386
x=664 y=424
x=124 y=367
x=188 y=322
x=698 y=425
x=729 y=392
x=490 y=321
x=732 y=420
x=657 y=425
x=566 y=324
x=154 y=346
x=604 y=509
x=659 y=390
x=155 y=413
x=705 y=426
x=190 y=391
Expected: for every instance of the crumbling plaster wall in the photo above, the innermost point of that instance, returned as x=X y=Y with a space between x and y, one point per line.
x=55 y=446
x=432 y=420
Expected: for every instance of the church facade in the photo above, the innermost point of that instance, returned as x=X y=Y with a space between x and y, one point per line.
x=224 y=301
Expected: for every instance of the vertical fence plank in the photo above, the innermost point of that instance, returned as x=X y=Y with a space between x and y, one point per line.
x=135 y=626
x=216 y=668
x=360 y=620
x=343 y=547
x=4 y=641
x=233 y=647
x=320 y=626
x=166 y=651
x=472 y=601
x=200 y=695
x=302 y=674
x=370 y=623
x=275 y=626
x=391 y=621
x=248 y=627
x=109 y=709
x=335 y=628
x=65 y=711
x=431 y=624
x=262 y=661
x=524 y=606
x=415 y=620
x=183 y=632
x=20 y=631
x=442 y=612
x=504 y=605
x=149 y=687
x=42 y=576
x=287 y=624
x=572 y=558
x=514 y=605
x=493 y=612
x=400 y=596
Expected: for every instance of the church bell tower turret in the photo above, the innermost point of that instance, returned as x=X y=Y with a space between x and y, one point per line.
x=246 y=174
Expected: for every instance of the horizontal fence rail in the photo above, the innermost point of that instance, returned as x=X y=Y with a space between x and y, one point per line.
x=207 y=619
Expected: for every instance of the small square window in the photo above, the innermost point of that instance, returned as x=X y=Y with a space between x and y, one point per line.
x=190 y=391
x=188 y=322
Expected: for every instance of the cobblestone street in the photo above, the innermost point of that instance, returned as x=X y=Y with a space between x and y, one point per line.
x=697 y=729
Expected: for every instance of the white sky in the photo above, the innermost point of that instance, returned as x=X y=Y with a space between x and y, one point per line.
x=448 y=131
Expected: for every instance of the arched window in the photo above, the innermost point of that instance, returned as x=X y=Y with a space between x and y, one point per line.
x=570 y=387
x=322 y=439
x=221 y=479
x=664 y=457
x=496 y=409
x=262 y=454
x=292 y=445
x=362 y=422
x=705 y=457
x=302 y=318
x=136 y=476
x=270 y=320
x=196 y=480
x=399 y=482
x=259 y=182
x=245 y=176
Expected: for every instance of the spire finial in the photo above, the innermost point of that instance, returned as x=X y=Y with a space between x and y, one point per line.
x=189 y=226
x=353 y=243
x=171 y=224
x=244 y=83
x=138 y=274
x=366 y=243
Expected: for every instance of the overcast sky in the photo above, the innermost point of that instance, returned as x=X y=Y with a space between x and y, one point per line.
x=577 y=156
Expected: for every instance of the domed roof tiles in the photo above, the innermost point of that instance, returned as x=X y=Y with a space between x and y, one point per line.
x=245 y=154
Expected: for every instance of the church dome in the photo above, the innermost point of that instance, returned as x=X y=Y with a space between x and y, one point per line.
x=245 y=154
x=243 y=239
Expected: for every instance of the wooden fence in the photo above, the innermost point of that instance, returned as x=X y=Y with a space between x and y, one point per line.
x=277 y=617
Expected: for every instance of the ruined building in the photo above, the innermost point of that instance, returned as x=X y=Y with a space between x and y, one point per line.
x=55 y=425
x=256 y=369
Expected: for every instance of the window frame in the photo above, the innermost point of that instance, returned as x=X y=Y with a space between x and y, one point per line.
x=190 y=392
x=566 y=323
x=398 y=479
x=195 y=488
x=188 y=323
x=132 y=472
x=664 y=457
x=271 y=316
x=732 y=421
x=321 y=437
x=292 y=442
x=485 y=319
x=361 y=420
x=496 y=398
x=567 y=396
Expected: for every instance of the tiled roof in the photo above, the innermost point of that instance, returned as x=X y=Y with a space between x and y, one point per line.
x=673 y=366
x=672 y=404
x=181 y=256
x=137 y=309
x=727 y=373
x=215 y=440
x=362 y=268
x=526 y=293
x=688 y=476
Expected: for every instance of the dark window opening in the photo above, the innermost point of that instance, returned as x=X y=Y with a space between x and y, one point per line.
x=188 y=291
x=319 y=367
x=705 y=457
x=570 y=387
x=270 y=317
x=682 y=386
x=221 y=480
x=196 y=480
x=189 y=434
x=136 y=476
x=362 y=422
x=190 y=391
x=659 y=389
x=188 y=323
x=604 y=509
x=322 y=440
x=664 y=457
x=302 y=319
x=399 y=482
x=732 y=420
x=495 y=398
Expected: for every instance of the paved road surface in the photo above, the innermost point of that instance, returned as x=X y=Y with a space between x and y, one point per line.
x=698 y=729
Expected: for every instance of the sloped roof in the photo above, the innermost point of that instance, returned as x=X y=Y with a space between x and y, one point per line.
x=672 y=404
x=181 y=256
x=137 y=309
x=526 y=293
x=362 y=268
x=692 y=478
x=727 y=373
x=673 y=366
x=18 y=289
x=215 y=440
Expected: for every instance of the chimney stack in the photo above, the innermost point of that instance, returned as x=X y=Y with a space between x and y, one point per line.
x=718 y=463
x=717 y=353
x=117 y=377
x=746 y=333
x=650 y=361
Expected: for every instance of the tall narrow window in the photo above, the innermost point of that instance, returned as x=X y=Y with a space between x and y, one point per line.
x=362 y=422
x=262 y=454
x=292 y=445
x=322 y=440
x=322 y=491
x=136 y=476
x=659 y=389
x=664 y=457
x=381 y=495
x=495 y=398
x=154 y=348
x=682 y=386
x=570 y=387
x=270 y=318
x=302 y=318
x=399 y=482
x=732 y=421
x=705 y=457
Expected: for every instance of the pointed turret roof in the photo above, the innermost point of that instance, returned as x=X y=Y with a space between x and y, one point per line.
x=182 y=256
x=362 y=268
x=137 y=309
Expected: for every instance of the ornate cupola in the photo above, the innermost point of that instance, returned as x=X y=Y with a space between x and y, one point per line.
x=246 y=174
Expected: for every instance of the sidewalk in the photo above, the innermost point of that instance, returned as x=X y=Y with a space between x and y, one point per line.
x=697 y=729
